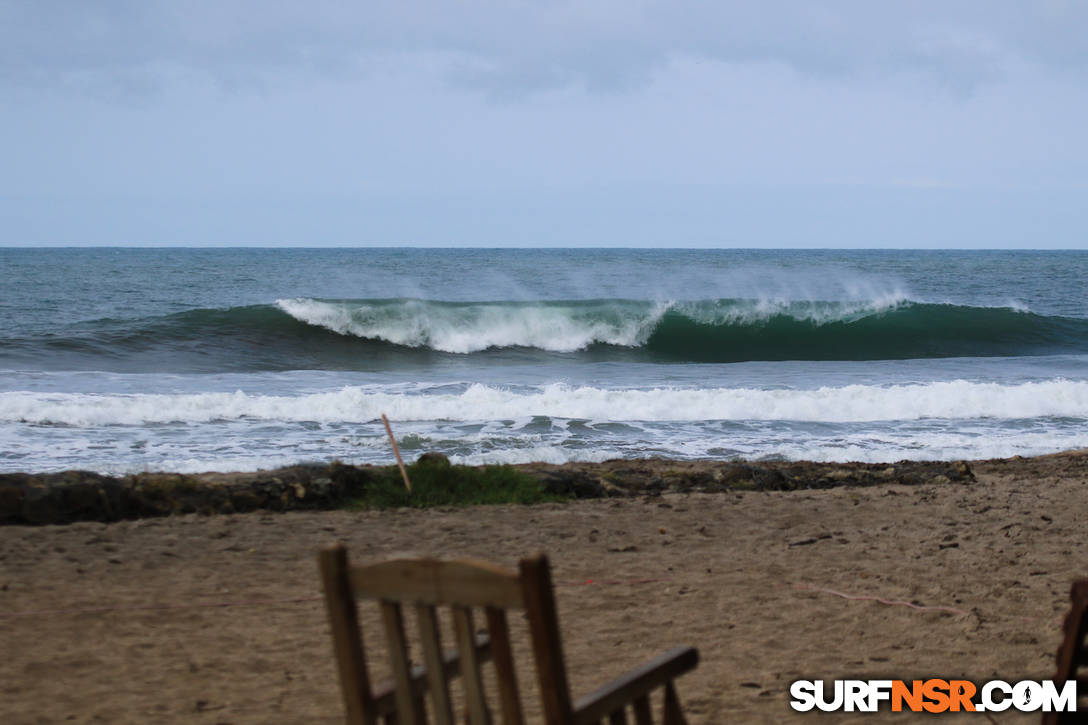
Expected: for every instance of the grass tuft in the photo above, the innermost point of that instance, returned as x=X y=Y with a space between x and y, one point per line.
x=435 y=484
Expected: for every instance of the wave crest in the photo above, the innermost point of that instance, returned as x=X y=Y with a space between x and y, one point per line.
x=724 y=330
x=472 y=327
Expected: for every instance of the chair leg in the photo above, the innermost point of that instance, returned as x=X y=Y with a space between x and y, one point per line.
x=671 y=714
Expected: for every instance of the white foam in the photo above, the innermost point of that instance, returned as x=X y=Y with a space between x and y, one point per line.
x=535 y=454
x=479 y=326
x=957 y=399
x=939 y=445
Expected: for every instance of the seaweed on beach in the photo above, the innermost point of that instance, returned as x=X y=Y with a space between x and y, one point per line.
x=437 y=482
x=58 y=498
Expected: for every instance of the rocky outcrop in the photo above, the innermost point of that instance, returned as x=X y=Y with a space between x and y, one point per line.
x=56 y=498
x=84 y=496
x=655 y=476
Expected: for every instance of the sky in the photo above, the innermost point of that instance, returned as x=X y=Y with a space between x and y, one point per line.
x=681 y=123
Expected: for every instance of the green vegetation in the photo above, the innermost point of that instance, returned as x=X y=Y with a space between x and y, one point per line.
x=443 y=484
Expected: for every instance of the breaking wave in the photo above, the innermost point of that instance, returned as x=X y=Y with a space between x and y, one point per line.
x=367 y=334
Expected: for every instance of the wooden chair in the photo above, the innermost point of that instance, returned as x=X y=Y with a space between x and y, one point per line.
x=1073 y=656
x=423 y=585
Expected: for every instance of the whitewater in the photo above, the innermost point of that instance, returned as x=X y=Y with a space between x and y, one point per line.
x=852 y=403
x=121 y=360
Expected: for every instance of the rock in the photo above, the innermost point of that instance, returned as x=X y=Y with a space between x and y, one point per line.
x=571 y=482
x=433 y=458
x=41 y=506
x=82 y=500
x=350 y=480
x=323 y=488
x=11 y=497
x=245 y=500
x=772 y=480
x=611 y=489
x=738 y=475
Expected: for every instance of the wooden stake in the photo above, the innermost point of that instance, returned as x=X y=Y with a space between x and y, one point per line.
x=396 y=452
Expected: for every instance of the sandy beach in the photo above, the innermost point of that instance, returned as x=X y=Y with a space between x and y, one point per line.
x=217 y=619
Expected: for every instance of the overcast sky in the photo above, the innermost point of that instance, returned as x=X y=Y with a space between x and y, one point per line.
x=619 y=123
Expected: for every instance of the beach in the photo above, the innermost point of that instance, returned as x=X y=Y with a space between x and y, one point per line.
x=218 y=618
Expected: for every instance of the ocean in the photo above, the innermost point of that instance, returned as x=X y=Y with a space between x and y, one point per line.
x=122 y=360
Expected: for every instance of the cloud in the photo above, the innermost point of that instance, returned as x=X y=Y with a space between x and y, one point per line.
x=512 y=48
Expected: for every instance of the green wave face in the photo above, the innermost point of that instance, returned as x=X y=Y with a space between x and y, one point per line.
x=370 y=334
x=910 y=330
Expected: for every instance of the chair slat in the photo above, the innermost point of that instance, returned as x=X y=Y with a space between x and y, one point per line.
x=436 y=672
x=384 y=694
x=347 y=638
x=671 y=713
x=431 y=581
x=539 y=598
x=643 y=713
x=503 y=657
x=399 y=663
x=470 y=667
x=619 y=717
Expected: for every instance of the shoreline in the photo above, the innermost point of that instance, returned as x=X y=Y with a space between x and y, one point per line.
x=71 y=496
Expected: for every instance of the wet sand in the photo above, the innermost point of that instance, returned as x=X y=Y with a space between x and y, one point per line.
x=217 y=619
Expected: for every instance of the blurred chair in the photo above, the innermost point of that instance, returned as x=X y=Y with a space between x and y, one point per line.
x=422 y=585
x=1073 y=656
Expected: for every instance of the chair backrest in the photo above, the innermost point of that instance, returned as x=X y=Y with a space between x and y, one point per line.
x=464 y=586
x=1073 y=655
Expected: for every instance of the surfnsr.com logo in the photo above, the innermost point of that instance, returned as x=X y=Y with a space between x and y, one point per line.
x=933 y=695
